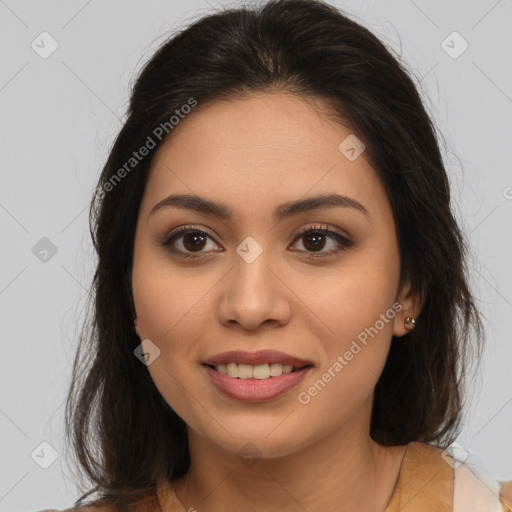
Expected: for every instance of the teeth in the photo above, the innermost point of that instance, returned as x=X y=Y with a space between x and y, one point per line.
x=232 y=370
x=247 y=371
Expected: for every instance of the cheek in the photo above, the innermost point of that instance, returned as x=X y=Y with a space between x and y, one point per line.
x=353 y=359
x=169 y=306
x=359 y=307
x=355 y=295
x=172 y=313
x=171 y=317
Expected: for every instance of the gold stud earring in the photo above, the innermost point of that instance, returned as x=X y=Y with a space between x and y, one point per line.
x=409 y=323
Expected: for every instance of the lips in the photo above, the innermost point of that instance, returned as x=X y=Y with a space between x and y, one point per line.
x=256 y=358
x=253 y=390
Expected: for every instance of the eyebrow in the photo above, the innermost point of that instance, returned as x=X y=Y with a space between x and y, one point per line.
x=283 y=211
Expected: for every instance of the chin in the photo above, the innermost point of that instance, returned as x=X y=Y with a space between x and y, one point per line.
x=256 y=443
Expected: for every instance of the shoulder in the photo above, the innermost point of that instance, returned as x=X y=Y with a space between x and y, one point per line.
x=476 y=490
x=151 y=503
x=90 y=508
x=147 y=505
x=506 y=495
x=459 y=484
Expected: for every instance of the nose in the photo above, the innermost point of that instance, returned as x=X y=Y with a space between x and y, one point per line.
x=253 y=294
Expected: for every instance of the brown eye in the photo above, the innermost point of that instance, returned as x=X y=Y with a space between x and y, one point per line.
x=315 y=239
x=186 y=241
x=194 y=241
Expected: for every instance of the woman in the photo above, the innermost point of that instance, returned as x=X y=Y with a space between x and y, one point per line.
x=282 y=316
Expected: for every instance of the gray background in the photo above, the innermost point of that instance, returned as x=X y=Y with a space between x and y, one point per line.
x=59 y=116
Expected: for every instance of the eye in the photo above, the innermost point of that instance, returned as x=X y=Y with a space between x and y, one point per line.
x=314 y=240
x=191 y=240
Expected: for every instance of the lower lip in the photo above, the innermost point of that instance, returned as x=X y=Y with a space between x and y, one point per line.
x=256 y=390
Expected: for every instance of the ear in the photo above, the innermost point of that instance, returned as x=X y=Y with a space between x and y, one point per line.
x=411 y=303
x=136 y=326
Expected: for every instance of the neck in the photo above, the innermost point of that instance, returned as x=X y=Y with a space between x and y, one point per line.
x=347 y=468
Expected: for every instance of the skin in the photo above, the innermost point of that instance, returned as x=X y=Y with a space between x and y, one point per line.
x=253 y=154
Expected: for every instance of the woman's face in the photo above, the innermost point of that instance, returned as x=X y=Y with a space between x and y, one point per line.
x=254 y=282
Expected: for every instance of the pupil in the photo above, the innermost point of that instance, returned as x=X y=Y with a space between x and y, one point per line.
x=199 y=239
x=316 y=237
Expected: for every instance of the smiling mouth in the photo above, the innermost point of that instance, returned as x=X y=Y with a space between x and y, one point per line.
x=255 y=372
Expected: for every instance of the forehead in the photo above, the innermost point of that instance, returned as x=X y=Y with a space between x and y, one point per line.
x=258 y=150
x=262 y=126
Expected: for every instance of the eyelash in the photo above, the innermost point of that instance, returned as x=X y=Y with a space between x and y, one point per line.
x=344 y=242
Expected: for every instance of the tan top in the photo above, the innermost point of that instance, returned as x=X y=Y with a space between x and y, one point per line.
x=429 y=481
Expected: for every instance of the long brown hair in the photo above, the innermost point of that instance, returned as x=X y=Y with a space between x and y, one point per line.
x=122 y=432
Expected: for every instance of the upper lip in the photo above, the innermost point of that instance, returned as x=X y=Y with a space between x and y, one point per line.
x=256 y=358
